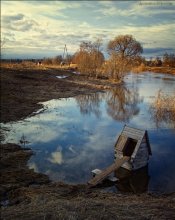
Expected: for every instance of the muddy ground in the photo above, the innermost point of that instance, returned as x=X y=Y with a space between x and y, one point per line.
x=23 y=88
x=29 y=195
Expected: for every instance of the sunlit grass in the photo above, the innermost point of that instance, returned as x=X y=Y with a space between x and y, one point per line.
x=139 y=69
x=163 y=108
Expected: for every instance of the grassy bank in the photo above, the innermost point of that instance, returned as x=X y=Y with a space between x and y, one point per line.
x=163 y=109
x=165 y=70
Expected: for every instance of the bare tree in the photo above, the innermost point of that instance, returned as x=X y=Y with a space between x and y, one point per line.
x=89 y=58
x=124 y=51
x=57 y=60
x=169 y=60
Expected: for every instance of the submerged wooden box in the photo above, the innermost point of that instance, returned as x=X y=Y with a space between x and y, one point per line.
x=134 y=143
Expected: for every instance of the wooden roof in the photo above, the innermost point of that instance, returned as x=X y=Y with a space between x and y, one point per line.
x=134 y=133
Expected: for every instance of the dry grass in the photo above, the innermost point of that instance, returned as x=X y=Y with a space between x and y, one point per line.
x=28 y=65
x=60 y=201
x=162 y=69
x=163 y=108
x=139 y=69
x=23 y=65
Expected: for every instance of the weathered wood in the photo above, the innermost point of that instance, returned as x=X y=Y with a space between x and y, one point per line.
x=132 y=135
x=121 y=142
x=142 y=157
x=134 y=130
x=140 y=154
x=98 y=178
x=147 y=139
x=136 y=148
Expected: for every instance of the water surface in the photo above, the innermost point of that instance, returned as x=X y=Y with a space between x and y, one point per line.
x=73 y=136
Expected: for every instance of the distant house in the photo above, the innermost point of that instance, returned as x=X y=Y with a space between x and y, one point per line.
x=39 y=63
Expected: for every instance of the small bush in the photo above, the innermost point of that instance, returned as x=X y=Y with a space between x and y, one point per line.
x=139 y=69
x=163 y=108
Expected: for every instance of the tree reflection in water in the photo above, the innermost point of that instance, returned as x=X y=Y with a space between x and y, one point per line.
x=121 y=103
x=90 y=104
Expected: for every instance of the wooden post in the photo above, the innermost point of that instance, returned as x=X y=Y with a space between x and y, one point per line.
x=98 y=178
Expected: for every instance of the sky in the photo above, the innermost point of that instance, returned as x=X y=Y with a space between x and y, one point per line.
x=37 y=29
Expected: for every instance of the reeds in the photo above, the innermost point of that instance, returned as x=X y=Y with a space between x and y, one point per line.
x=139 y=69
x=163 y=109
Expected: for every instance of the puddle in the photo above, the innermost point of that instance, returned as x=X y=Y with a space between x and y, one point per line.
x=74 y=136
x=61 y=77
x=77 y=73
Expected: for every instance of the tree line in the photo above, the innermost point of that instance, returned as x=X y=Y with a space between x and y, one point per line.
x=124 y=55
x=168 y=60
x=124 y=52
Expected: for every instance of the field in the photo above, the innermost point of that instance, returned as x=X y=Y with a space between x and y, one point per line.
x=29 y=195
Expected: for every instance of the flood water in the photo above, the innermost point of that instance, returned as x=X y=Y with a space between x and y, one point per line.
x=73 y=136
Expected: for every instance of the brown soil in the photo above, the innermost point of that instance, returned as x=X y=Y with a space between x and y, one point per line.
x=29 y=195
x=22 y=89
x=14 y=171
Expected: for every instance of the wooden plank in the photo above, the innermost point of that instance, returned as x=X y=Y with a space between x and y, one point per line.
x=147 y=140
x=118 y=154
x=132 y=135
x=136 y=149
x=127 y=165
x=121 y=142
x=134 y=130
x=98 y=178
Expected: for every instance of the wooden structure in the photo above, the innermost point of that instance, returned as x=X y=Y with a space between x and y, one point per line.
x=134 y=143
x=106 y=172
x=132 y=151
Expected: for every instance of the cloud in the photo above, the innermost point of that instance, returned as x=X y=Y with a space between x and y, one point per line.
x=43 y=128
x=9 y=18
x=32 y=165
x=135 y=9
x=46 y=26
x=157 y=51
x=56 y=157
x=18 y=22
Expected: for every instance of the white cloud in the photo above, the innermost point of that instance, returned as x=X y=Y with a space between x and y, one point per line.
x=18 y=22
x=144 y=9
x=33 y=165
x=56 y=156
x=43 y=27
x=43 y=128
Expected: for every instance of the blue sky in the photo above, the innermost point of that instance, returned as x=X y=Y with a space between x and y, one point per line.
x=37 y=29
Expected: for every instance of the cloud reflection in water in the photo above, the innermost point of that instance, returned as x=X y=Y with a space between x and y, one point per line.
x=73 y=136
